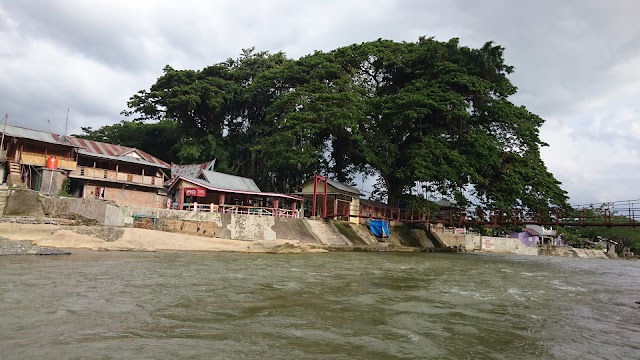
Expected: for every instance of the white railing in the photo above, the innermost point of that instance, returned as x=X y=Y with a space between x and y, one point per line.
x=238 y=209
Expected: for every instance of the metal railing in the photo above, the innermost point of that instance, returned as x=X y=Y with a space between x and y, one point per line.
x=623 y=214
x=239 y=209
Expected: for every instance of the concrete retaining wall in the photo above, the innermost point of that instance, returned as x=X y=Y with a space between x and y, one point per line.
x=98 y=210
x=227 y=226
x=486 y=243
x=23 y=202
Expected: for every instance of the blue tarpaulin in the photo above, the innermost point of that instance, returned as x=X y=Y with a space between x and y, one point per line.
x=379 y=228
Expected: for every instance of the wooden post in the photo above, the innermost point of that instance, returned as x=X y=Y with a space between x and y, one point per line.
x=326 y=179
x=180 y=198
x=315 y=194
x=276 y=203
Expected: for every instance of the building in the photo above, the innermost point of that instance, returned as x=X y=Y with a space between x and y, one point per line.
x=118 y=173
x=95 y=169
x=24 y=154
x=342 y=200
x=198 y=188
x=533 y=235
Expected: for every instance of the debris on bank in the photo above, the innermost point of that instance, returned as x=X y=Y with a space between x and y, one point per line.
x=12 y=247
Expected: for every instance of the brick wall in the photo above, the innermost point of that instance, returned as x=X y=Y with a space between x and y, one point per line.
x=130 y=197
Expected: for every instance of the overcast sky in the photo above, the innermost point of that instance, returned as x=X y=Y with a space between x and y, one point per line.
x=576 y=62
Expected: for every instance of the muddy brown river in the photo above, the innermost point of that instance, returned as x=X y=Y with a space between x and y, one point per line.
x=122 y=305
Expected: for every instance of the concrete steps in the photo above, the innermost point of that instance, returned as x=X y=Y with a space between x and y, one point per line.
x=325 y=233
x=590 y=254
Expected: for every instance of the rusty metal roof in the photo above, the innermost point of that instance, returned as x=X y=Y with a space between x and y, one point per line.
x=87 y=147
x=115 y=152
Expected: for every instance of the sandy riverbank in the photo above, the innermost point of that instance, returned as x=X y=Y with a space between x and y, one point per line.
x=132 y=239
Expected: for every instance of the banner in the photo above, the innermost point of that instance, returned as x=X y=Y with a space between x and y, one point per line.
x=195 y=192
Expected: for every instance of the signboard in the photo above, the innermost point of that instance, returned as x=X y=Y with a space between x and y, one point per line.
x=195 y=192
x=488 y=244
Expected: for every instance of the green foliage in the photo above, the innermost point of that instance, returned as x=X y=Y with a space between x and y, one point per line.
x=65 y=189
x=625 y=236
x=425 y=111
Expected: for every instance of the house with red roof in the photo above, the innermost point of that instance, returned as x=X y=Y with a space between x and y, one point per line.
x=42 y=161
x=118 y=173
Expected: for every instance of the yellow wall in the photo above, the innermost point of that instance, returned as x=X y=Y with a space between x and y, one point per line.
x=355 y=208
x=355 y=203
x=41 y=160
x=320 y=189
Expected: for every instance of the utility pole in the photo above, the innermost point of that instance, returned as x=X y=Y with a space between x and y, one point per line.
x=66 y=123
x=4 y=129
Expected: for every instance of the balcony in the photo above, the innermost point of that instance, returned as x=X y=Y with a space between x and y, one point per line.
x=83 y=172
x=35 y=159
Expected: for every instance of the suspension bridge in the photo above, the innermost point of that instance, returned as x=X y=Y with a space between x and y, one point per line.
x=606 y=214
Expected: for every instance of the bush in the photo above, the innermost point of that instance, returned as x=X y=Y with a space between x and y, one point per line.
x=65 y=189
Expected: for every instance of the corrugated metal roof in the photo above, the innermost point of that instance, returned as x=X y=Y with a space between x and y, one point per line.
x=344 y=187
x=127 y=159
x=114 y=152
x=338 y=185
x=226 y=181
x=209 y=186
x=192 y=170
x=89 y=147
x=36 y=135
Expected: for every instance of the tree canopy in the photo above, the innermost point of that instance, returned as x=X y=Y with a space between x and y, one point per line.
x=431 y=112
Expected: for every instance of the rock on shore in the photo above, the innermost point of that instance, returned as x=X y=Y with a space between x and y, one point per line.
x=10 y=247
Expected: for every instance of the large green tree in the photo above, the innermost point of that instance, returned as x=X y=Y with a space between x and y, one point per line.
x=427 y=112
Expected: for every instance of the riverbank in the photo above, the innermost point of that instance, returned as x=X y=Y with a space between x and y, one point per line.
x=11 y=247
x=133 y=239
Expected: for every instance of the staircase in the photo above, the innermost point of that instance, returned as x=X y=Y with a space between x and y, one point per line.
x=14 y=178
x=4 y=192
x=590 y=254
x=326 y=233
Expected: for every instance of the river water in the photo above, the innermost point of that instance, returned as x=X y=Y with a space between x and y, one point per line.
x=119 y=305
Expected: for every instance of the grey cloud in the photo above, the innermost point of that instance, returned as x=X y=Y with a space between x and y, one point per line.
x=572 y=58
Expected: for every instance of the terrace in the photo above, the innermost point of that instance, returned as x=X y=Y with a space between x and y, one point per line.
x=95 y=173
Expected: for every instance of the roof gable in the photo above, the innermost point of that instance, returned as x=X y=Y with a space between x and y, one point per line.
x=337 y=185
x=115 y=152
x=133 y=152
x=191 y=170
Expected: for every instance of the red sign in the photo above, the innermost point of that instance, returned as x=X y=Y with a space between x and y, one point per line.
x=195 y=192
